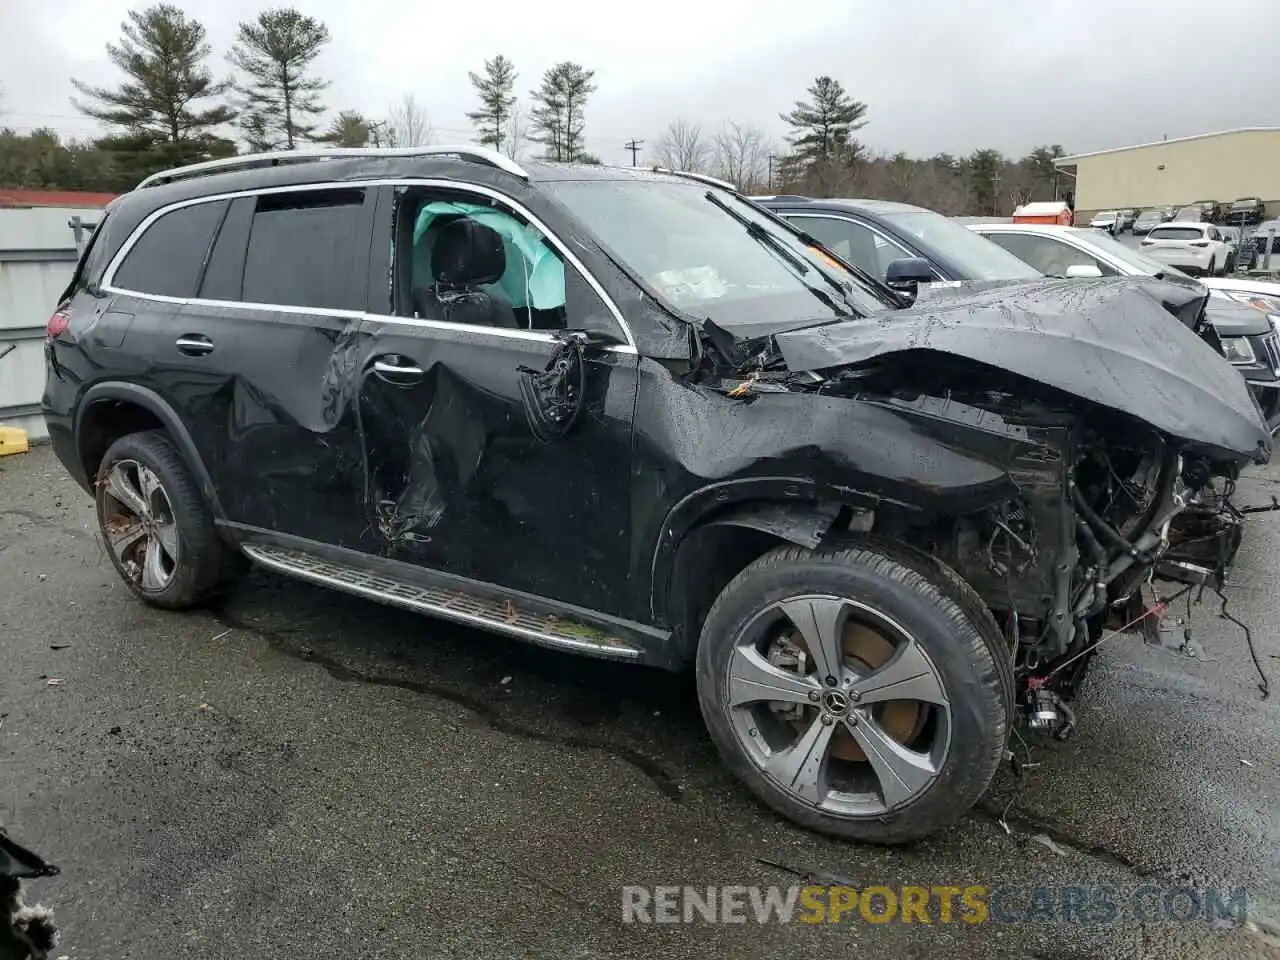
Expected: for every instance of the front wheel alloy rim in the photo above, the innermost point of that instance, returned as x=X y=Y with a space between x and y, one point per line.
x=139 y=526
x=838 y=705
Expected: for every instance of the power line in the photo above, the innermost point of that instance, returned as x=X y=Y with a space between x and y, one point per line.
x=634 y=146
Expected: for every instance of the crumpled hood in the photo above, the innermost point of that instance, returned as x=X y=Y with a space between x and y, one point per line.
x=1108 y=341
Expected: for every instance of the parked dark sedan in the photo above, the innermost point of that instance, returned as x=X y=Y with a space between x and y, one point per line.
x=1148 y=220
x=872 y=234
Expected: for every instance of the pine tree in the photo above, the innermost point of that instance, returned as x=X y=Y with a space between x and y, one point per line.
x=154 y=110
x=558 y=117
x=1040 y=160
x=274 y=52
x=822 y=129
x=497 y=102
x=348 y=129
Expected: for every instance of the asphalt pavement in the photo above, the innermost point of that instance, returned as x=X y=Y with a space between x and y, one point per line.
x=302 y=774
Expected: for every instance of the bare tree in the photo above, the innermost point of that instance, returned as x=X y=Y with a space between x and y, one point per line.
x=683 y=148
x=900 y=174
x=740 y=154
x=517 y=135
x=408 y=124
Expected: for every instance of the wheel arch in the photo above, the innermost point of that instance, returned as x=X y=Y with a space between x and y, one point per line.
x=742 y=519
x=137 y=408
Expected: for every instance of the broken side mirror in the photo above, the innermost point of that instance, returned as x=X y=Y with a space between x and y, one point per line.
x=906 y=274
x=1079 y=271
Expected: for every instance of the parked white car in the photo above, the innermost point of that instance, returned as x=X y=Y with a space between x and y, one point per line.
x=1105 y=220
x=1079 y=252
x=1189 y=246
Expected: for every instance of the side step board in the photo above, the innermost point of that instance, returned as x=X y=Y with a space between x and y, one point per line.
x=499 y=616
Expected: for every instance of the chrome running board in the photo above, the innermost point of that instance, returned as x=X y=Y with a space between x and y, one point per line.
x=547 y=630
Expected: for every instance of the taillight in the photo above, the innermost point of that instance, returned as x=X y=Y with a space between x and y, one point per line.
x=57 y=324
x=1199 y=243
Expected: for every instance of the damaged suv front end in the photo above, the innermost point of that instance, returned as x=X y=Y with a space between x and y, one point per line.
x=1116 y=434
x=1055 y=444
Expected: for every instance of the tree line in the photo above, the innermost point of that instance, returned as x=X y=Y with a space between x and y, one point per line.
x=821 y=157
x=171 y=108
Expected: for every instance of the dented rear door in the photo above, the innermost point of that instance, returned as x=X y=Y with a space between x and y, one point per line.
x=262 y=361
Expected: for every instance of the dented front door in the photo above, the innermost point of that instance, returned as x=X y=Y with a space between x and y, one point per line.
x=459 y=481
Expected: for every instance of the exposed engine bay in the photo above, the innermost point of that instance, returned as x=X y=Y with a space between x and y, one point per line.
x=1103 y=500
x=1103 y=504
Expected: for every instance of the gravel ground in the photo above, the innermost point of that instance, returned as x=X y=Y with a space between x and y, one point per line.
x=301 y=774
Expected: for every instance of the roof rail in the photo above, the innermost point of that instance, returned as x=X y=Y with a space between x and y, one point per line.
x=251 y=161
x=700 y=177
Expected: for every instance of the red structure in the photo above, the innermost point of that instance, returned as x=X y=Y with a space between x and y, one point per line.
x=53 y=198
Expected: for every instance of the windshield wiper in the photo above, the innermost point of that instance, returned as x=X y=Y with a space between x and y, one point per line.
x=770 y=241
x=764 y=236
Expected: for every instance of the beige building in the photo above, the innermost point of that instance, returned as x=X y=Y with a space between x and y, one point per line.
x=1212 y=166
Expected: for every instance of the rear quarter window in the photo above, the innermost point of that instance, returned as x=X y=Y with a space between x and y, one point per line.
x=169 y=256
x=1177 y=233
x=303 y=248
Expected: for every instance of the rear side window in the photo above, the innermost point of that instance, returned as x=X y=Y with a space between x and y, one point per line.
x=853 y=241
x=302 y=250
x=1177 y=233
x=168 y=258
x=1049 y=255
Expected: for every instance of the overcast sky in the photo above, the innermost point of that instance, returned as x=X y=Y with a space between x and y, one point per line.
x=937 y=75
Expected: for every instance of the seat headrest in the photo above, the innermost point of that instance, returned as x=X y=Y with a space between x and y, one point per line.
x=467 y=252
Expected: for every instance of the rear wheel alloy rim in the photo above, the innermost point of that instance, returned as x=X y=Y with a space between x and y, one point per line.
x=139 y=526
x=824 y=722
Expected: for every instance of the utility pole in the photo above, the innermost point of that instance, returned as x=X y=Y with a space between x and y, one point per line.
x=995 y=195
x=772 y=157
x=634 y=147
x=376 y=129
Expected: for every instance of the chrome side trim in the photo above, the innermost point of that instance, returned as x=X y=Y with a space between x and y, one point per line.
x=448 y=605
x=108 y=275
x=536 y=336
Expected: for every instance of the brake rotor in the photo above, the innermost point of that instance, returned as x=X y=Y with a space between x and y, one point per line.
x=865 y=650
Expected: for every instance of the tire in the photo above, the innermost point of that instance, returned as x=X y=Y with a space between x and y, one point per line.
x=143 y=473
x=894 y=590
x=1213 y=267
x=1230 y=266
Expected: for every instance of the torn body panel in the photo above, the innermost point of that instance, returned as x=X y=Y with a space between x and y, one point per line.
x=701 y=454
x=459 y=480
x=1112 y=346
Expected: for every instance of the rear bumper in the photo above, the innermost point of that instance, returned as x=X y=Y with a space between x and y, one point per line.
x=59 y=406
x=1182 y=259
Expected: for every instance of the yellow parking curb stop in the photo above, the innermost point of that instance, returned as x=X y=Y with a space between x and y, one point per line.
x=13 y=440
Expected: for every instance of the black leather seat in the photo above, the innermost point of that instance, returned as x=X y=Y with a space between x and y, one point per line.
x=466 y=258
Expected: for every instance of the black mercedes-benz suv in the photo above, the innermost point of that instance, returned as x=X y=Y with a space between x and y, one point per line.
x=632 y=415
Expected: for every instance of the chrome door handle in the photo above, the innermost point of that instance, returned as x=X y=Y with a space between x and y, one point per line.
x=194 y=345
x=396 y=373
